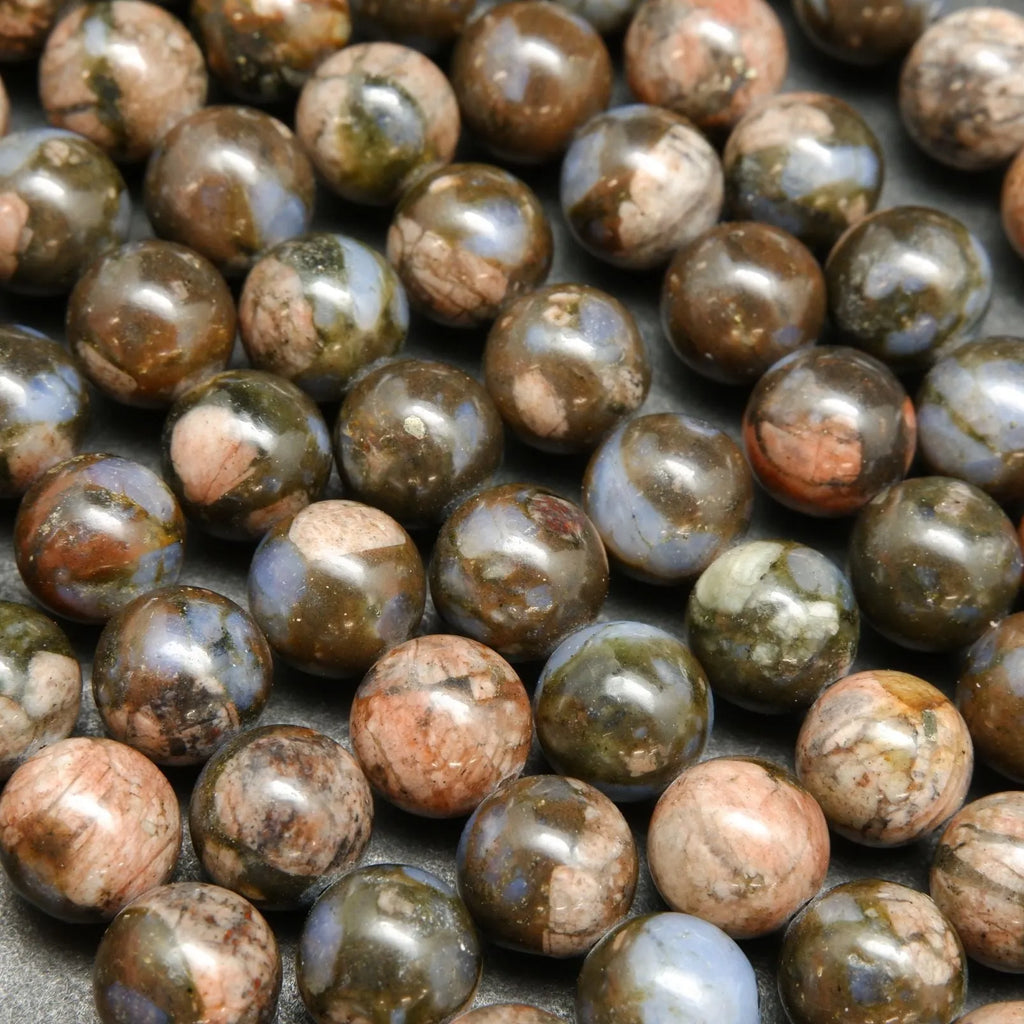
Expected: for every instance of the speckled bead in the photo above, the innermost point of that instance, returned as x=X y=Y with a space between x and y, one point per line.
x=738 y=842
x=623 y=706
x=279 y=813
x=996 y=1013
x=335 y=586
x=564 y=364
x=962 y=88
x=868 y=952
x=24 y=26
x=637 y=183
x=886 y=755
x=62 y=203
x=148 y=320
x=547 y=865
x=95 y=532
x=907 y=284
x=189 y=952
x=387 y=942
x=807 y=163
x=665 y=525
x=438 y=723
x=1012 y=204
x=243 y=450
x=522 y=599
x=867 y=32
x=427 y=24
x=86 y=825
x=933 y=562
x=667 y=967
x=507 y=1013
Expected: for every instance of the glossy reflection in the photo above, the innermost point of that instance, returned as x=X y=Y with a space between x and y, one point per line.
x=868 y=32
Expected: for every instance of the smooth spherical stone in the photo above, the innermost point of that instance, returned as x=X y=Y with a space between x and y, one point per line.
x=40 y=684
x=148 y=320
x=807 y=163
x=668 y=493
x=870 y=952
x=438 y=723
x=86 y=825
x=637 y=183
x=866 y=32
x=386 y=943
x=962 y=88
x=607 y=16
x=738 y=842
x=518 y=568
x=317 y=309
x=547 y=865
x=122 y=73
x=773 y=623
x=244 y=450
x=466 y=240
x=44 y=408
x=623 y=706
x=739 y=298
x=180 y=671
x=507 y=1013
x=827 y=428
x=414 y=436
x=665 y=967
x=279 y=813
x=375 y=117
x=564 y=365
x=907 y=283
x=427 y=24
x=709 y=60
x=886 y=755
x=1012 y=204
x=24 y=26
x=263 y=53
x=933 y=562
x=996 y=1013
x=335 y=586
x=229 y=182
x=62 y=203
x=95 y=532
x=187 y=952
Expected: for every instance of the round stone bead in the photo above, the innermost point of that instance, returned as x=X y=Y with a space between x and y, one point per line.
x=1012 y=204
x=607 y=16
x=564 y=364
x=867 y=32
x=438 y=723
x=279 y=813
x=187 y=952
x=962 y=88
x=773 y=623
x=844 y=756
x=666 y=966
x=623 y=706
x=95 y=532
x=122 y=73
x=428 y=24
x=507 y=1013
x=518 y=568
x=387 y=942
x=547 y=865
x=870 y=951
x=933 y=561
x=667 y=493
x=907 y=283
x=5 y=108
x=244 y=450
x=62 y=203
x=86 y=825
x=807 y=163
x=996 y=1013
x=24 y=26
x=148 y=320
x=317 y=309
x=738 y=842
x=637 y=183
x=335 y=586
x=827 y=428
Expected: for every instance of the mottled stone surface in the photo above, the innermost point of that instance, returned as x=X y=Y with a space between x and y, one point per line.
x=547 y=865
x=279 y=813
x=607 y=16
x=624 y=706
x=866 y=32
x=1012 y=204
x=869 y=952
x=507 y=1013
x=384 y=943
x=426 y=23
x=738 y=842
x=637 y=183
x=86 y=825
x=189 y=953
x=996 y=1013
x=24 y=26
x=886 y=755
